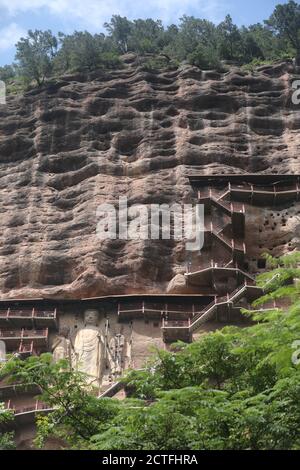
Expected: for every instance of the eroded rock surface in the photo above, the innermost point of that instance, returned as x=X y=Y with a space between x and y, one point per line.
x=86 y=141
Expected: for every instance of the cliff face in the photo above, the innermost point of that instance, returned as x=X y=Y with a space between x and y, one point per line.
x=82 y=142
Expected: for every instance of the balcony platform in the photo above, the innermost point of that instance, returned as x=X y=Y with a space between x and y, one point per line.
x=24 y=415
x=25 y=341
x=173 y=331
x=175 y=308
x=28 y=318
x=206 y=276
x=256 y=189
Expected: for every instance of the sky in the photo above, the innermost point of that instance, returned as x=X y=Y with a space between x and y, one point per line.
x=17 y=16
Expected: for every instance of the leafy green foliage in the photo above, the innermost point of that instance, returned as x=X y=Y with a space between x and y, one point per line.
x=75 y=406
x=35 y=55
x=84 y=51
x=7 y=72
x=6 y=438
x=205 y=57
x=194 y=40
x=230 y=39
x=119 y=29
x=285 y=21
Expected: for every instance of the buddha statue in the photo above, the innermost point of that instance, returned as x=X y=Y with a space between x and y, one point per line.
x=88 y=348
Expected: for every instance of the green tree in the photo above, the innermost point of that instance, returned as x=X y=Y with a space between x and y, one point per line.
x=6 y=438
x=77 y=414
x=205 y=57
x=35 y=55
x=230 y=39
x=191 y=33
x=250 y=47
x=119 y=29
x=285 y=21
x=7 y=72
x=147 y=36
x=83 y=51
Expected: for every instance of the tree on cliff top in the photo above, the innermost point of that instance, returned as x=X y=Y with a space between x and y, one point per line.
x=119 y=29
x=285 y=21
x=35 y=55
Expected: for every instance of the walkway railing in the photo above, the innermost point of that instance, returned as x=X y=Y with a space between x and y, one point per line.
x=230 y=243
x=162 y=310
x=26 y=348
x=277 y=192
x=19 y=410
x=208 y=312
x=32 y=313
x=219 y=201
x=231 y=265
x=23 y=333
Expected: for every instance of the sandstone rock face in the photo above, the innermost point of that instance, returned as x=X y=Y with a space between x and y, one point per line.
x=85 y=141
x=177 y=285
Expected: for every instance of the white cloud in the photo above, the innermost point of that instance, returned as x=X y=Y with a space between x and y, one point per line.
x=93 y=13
x=9 y=35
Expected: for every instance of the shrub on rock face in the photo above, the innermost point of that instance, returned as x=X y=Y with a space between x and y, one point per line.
x=206 y=58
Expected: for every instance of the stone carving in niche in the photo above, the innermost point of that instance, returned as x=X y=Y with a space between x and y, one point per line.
x=61 y=347
x=88 y=354
x=115 y=355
